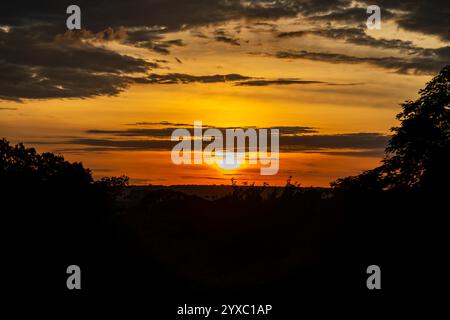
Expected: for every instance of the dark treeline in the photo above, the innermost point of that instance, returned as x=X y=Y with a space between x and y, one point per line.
x=172 y=248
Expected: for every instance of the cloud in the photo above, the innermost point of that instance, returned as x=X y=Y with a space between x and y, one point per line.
x=378 y=152
x=199 y=34
x=260 y=83
x=222 y=36
x=236 y=79
x=356 y=36
x=289 y=81
x=19 y=82
x=336 y=141
x=161 y=123
x=180 y=78
x=111 y=145
x=349 y=15
x=426 y=17
x=154 y=133
x=142 y=37
x=429 y=62
x=143 y=22
x=32 y=69
x=165 y=129
x=69 y=68
x=355 y=144
x=40 y=59
x=169 y=15
x=151 y=39
x=292 y=139
x=18 y=47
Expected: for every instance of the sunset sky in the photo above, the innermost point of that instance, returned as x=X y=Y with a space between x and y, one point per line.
x=110 y=94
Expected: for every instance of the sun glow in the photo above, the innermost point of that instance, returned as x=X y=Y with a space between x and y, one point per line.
x=228 y=161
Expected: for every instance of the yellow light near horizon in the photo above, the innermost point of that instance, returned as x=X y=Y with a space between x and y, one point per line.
x=229 y=161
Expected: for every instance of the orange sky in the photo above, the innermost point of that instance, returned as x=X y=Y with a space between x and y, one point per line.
x=352 y=98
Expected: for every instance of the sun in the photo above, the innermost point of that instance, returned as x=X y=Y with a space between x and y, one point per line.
x=228 y=161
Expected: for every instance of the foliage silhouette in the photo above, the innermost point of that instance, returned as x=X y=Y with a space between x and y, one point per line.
x=418 y=153
x=19 y=164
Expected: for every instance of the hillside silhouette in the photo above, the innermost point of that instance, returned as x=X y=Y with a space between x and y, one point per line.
x=177 y=247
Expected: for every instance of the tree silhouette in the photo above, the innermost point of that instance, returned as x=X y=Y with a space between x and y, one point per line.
x=21 y=165
x=26 y=174
x=418 y=153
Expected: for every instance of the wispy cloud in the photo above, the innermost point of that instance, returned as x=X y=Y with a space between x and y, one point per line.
x=222 y=36
x=292 y=139
x=429 y=63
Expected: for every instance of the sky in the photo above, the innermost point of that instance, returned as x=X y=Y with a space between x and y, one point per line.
x=110 y=95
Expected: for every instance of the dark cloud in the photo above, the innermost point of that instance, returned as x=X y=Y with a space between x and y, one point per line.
x=7 y=109
x=177 y=78
x=78 y=36
x=429 y=62
x=294 y=130
x=356 y=36
x=428 y=17
x=350 y=15
x=418 y=60
x=21 y=48
x=20 y=82
x=151 y=39
x=111 y=145
x=162 y=47
x=143 y=37
x=379 y=152
x=337 y=141
x=260 y=83
x=166 y=130
x=161 y=123
x=222 y=36
x=359 y=144
x=142 y=22
x=169 y=15
x=237 y=79
x=82 y=150
x=292 y=139
x=290 y=81
x=155 y=133
x=199 y=34
x=32 y=69
x=40 y=59
x=69 y=68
